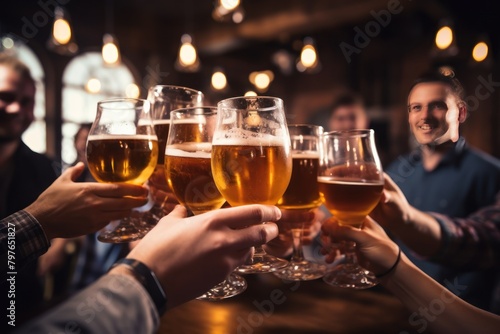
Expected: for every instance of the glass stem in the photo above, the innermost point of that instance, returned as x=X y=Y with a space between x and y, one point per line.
x=349 y=252
x=298 y=254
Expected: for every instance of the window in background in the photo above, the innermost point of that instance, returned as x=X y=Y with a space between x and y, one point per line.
x=86 y=81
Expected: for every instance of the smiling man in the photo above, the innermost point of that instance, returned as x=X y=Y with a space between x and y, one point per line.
x=444 y=175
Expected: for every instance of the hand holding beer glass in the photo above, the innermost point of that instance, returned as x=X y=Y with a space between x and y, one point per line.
x=251 y=160
x=164 y=99
x=350 y=183
x=302 y=195
x=122 y=147
x=189 y=175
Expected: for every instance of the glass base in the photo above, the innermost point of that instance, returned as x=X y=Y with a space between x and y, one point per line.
x=262 y=263
x=301 y=271
x=121 y=231
x=230 y=287
x=350 y=276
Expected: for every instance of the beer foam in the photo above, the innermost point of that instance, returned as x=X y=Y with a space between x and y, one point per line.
x=305 y=154
x=121 y=137
x=161 y=121
x=333 y=180
x=198 y=120
x=240 y=137
x=190 y=150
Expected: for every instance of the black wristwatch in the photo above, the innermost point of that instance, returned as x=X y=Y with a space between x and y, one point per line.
x=149 y=280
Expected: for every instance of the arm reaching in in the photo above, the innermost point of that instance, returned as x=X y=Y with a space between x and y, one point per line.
x=187 y=255
x=418 y=230
x=412 y=286
x=70 y=209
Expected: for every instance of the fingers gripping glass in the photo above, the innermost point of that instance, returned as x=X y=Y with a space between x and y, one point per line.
x=302 y=195
x=122 y=147
x=189 y=175
x=251 y=160
x=350 y=183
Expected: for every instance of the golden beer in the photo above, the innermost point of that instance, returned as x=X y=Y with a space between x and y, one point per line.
x=161 y=129
x=302 y=191
x=189 y=175
x=349 y=201
x=248 y=174
x=129 y=159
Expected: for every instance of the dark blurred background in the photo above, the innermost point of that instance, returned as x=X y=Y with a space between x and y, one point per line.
x=375 y=47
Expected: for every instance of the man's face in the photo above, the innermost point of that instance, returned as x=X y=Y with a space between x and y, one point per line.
x=16 y=104
x=347 y=118
x=433 y=113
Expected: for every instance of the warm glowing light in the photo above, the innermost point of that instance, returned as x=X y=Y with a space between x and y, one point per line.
x=61 y=31
x=132 y=91
x=444 y=37
x=262 y=80
x=110 y=52
x=250 y=93
x=308 y=56
x=93 y=85
x=229 y=4
x=238 y=16
x=219 y=80
x=480 y=51
x=187 y=54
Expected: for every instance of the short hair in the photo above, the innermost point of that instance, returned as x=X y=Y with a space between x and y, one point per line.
x=83 y=126
x=16 y=65
x=445 y=76
x=345 y=100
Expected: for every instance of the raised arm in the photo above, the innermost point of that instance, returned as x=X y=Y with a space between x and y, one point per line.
x=418 y=292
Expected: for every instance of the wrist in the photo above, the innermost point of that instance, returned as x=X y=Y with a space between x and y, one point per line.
x=146 y=277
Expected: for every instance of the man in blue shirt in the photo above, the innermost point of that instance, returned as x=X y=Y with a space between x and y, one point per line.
x=444 y=175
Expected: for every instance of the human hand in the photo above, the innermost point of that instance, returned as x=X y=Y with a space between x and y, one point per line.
x=160 y=191
x=309 y=220
x=68 y=209
x=191 y=255
x=375 y=250
x=393 y=210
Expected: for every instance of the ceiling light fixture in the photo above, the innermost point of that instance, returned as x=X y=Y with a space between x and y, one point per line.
x=62 y=40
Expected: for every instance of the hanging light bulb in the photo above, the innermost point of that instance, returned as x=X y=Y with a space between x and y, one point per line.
x=110 y=51
x=187 y=59
x=308 y=60
x=444 y=37
x=219 y=80
x=93 y=86
x=480 y=52
x=226 y=10
x=261 y=80
x=62 y=40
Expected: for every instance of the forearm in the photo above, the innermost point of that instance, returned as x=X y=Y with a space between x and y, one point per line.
x=434 y=306
x=116 y=303
x=420 y=232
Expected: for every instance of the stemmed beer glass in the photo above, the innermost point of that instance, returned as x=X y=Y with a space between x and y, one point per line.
x=350 y=183
x=189 y=175
x=251 y=160
x=122 y=147
x=302 y=195
x=164 y=99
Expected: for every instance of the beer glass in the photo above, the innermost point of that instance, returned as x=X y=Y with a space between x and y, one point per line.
x=122 y=147
x=189 y=175
x=164 y=99
x=251 y=160
x=302 y=194
x=350 y=184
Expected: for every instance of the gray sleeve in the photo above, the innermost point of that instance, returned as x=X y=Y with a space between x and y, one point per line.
x=114 y=304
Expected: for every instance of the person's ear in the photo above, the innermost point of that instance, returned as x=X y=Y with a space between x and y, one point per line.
x=462 y=111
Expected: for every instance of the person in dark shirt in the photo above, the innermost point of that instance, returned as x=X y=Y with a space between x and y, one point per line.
x=444 y=175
